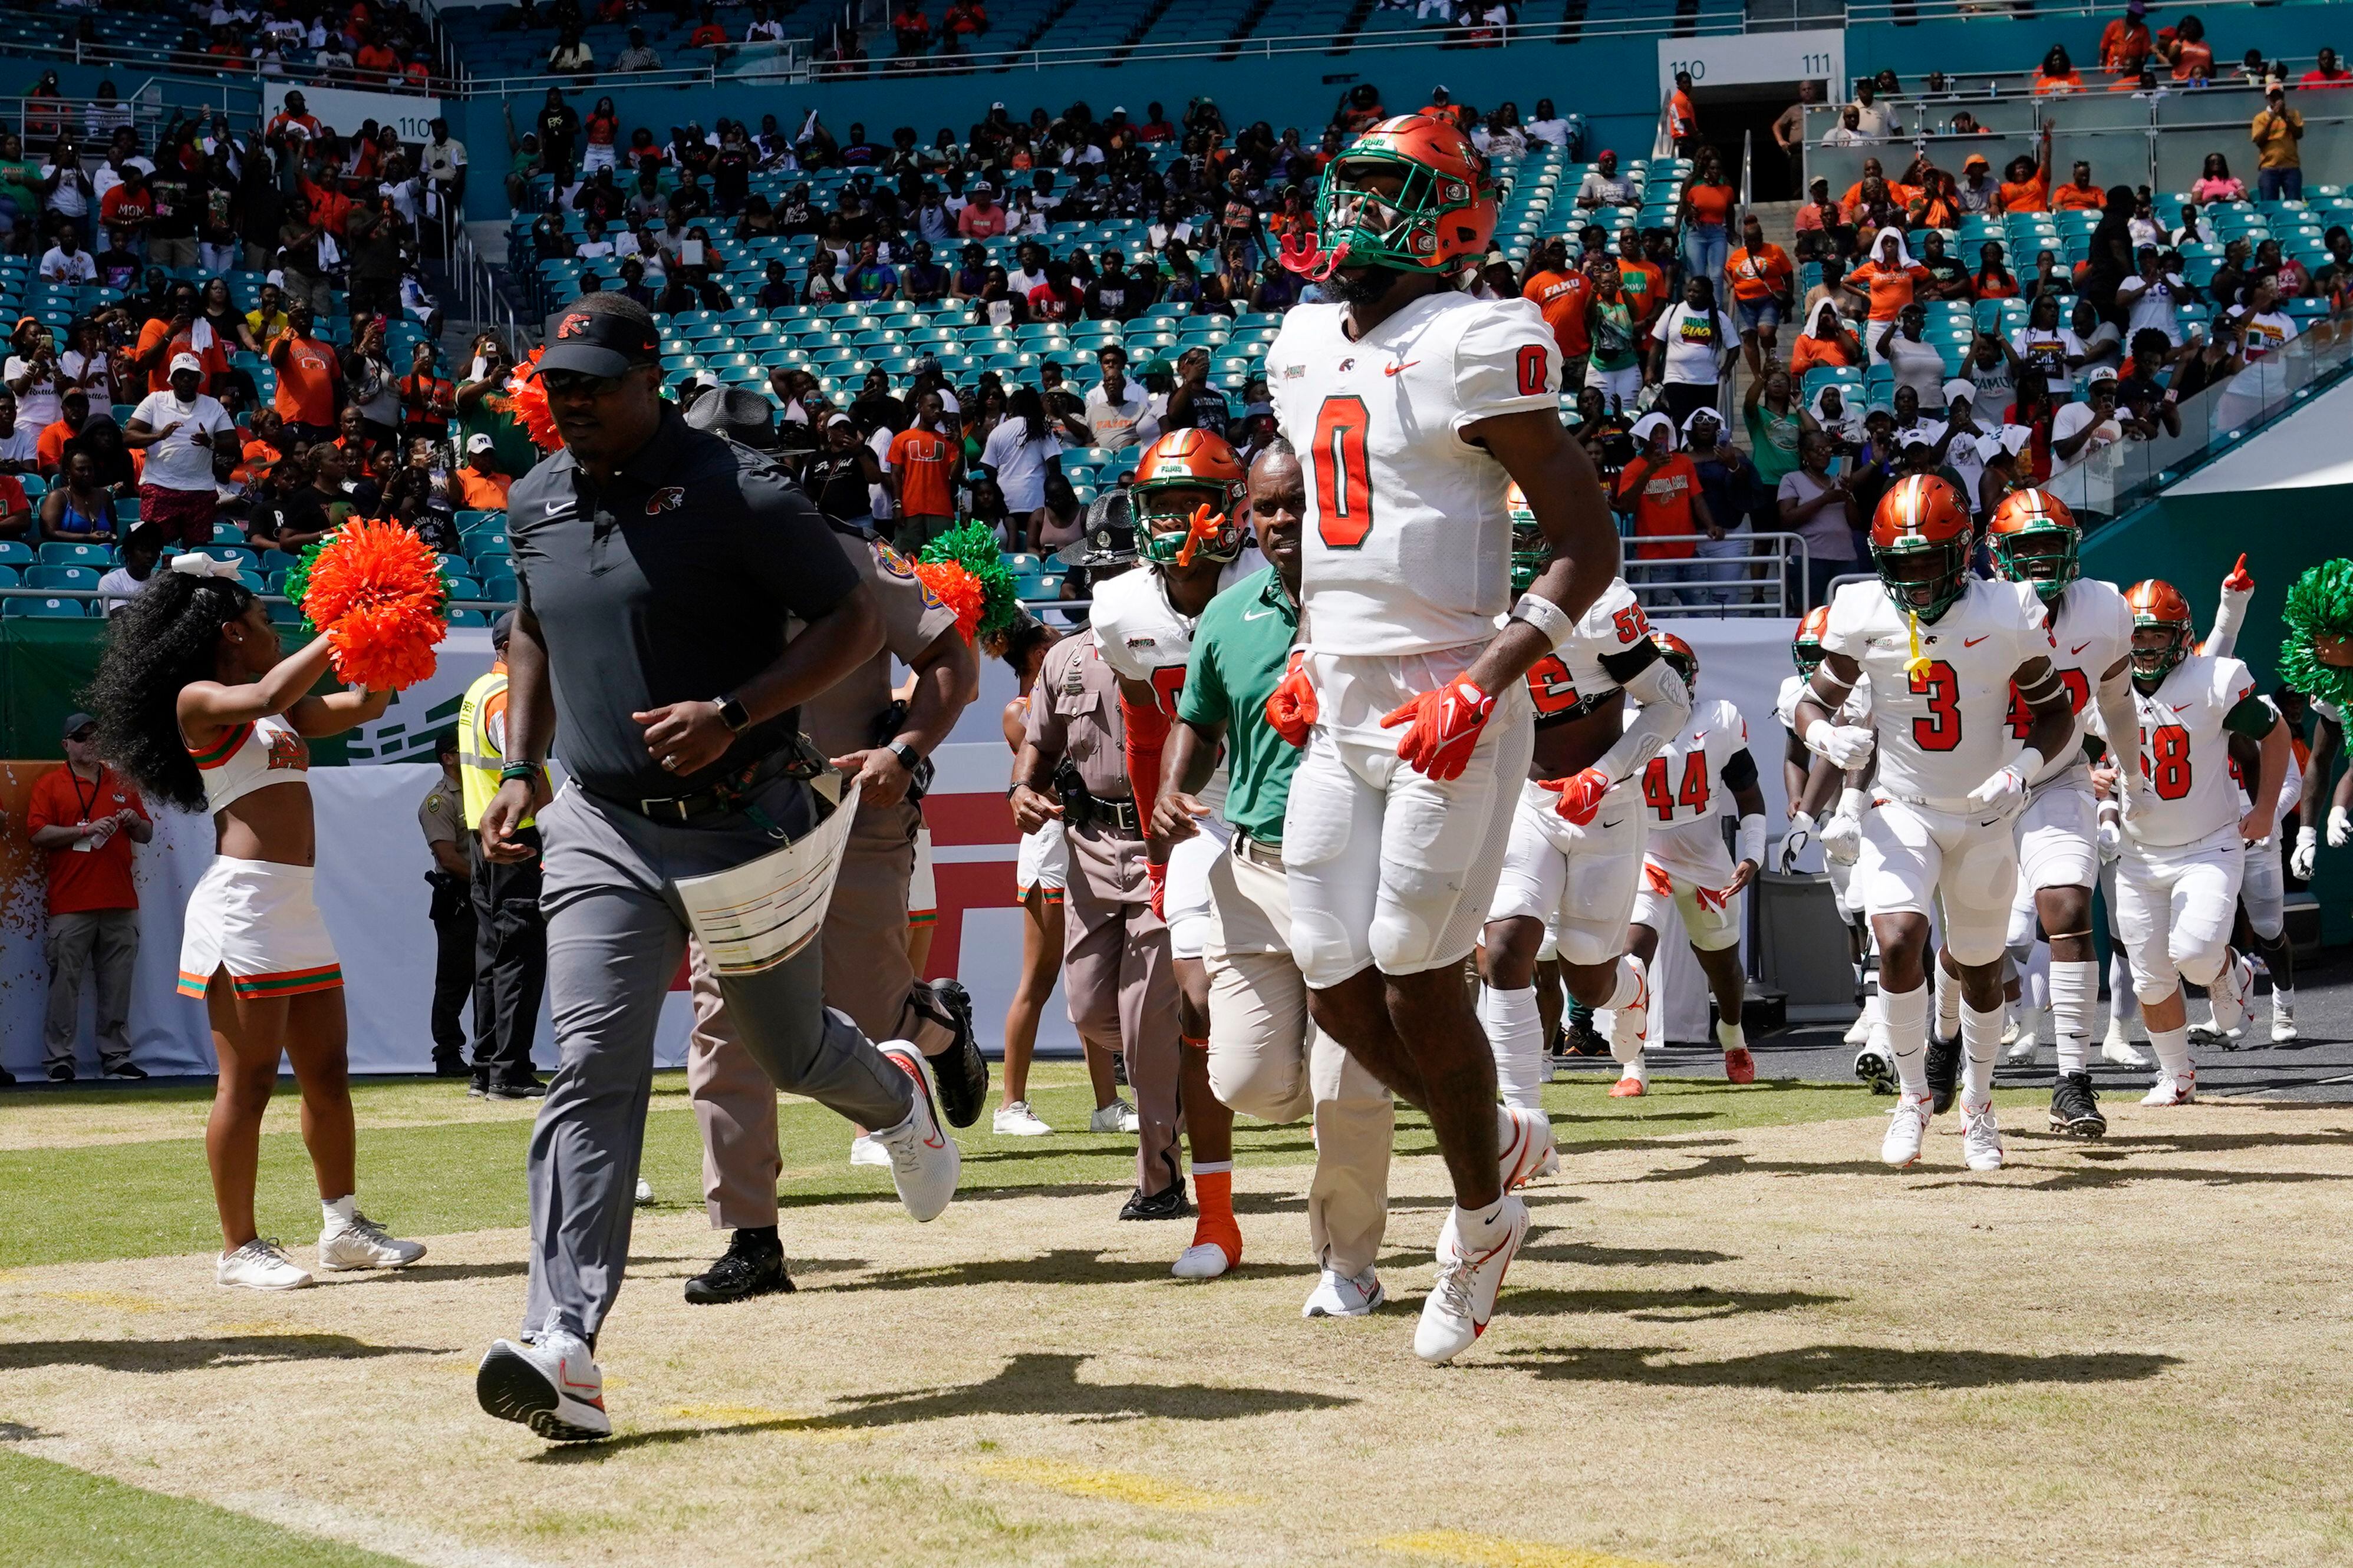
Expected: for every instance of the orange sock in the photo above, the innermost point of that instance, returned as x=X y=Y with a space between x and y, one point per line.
x=1213 y=1220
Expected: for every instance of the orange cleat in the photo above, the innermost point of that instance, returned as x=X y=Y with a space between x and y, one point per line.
x=1627 y=1088
x=1739 y=1066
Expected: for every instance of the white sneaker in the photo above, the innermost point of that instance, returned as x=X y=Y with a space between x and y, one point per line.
x=2172 y=1089
x=2282 y=1017
x=1873 y=1068
x=1337 y=1296
x=924 y=1160
x=2021 y=1047
x=360 y=1243
x=1455 y=1313
x=2009 y=1029
x=1202 y=1260
x=1017 y=1120
x=1547 y=1166
x=1860 y=1030
x=865 y=1151
x=645 y=1192
x=1980 y=1137
x=1548 y=1068
x=2228 y=994
x=1906 y=1131
x=2119 y=1050
x=1119 y=1116
x=1523 y=1143
x=551 y=1385
x=260 y=1264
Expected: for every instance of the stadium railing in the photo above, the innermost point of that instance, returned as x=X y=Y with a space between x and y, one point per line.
x=1764 y=576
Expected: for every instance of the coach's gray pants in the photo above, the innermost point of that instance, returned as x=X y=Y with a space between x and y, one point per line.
x=81 y=944
x=616 y=936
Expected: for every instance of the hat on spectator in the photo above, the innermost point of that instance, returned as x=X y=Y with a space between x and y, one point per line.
x=76 y=723
x=2103 y=373
x=1651 y=425
x=479 y=442
x=1977 y=160
x=188 y=361
x=737 y=413
x=597 y=341
x=276 y=280
x=1960 y=389
x=1699 y=414
x=1157 y=366
x=503 y=630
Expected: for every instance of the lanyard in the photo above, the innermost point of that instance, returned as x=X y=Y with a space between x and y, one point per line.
x=96 y=786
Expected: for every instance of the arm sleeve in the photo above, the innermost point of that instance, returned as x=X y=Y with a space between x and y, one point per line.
x=1505 y=361
x=788 y=548
x=1666 y=708
x=2252 y=717
x=1144 y=734
x=1740 y=772
x=2223 y=640
x=2118 y=721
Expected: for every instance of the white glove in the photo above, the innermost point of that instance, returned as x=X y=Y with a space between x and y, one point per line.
x=1794 y=842
x=2111 y=835
x=2306 y=851
x=2003 y=791
x=1841 y=836
x=1845 y=746
x=2340 y=826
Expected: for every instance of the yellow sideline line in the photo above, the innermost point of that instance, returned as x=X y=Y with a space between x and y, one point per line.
x=121 y=1300
x=1498 y=1552
x=1115 y=1485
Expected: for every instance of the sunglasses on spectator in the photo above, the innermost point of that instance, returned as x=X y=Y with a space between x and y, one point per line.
x=575 y=383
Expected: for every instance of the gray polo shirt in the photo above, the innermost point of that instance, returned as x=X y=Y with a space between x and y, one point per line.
x=672 y=585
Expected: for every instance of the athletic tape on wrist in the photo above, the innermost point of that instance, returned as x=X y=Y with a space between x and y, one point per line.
x=1748 y=839
x=1556 y=625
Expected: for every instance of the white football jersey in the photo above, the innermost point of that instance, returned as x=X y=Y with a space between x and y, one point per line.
x=1943 y=731
x=1855 y=709
x=1407 y=545
x=2291 y=788
x=1144 y=639
x=2185 y=752
x=2089 y=633
x=1684 y=794
x=1571 y=680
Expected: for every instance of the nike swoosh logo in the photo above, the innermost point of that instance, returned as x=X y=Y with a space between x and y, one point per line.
x=2184 y=707
x=2077 y=649
x=1699 y=734
x=1972 y=642
x=1394 y=369
x=1256 y=615
x=1613 y=823
x=555 y=506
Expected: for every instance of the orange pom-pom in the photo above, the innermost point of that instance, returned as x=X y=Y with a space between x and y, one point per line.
x=376 y=590
x=526 y=399
x=956 y=588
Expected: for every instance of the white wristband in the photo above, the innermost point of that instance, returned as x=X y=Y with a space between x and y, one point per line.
x=1851 y=804
x=2029 y=763
x=1556 y=624
x=1748 y=839
x=1818 y=736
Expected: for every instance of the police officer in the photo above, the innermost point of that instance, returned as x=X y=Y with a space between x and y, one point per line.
x=1117 y=969
x=443 y=817
x=886 y=744
x=657 y=567
x=509 y=938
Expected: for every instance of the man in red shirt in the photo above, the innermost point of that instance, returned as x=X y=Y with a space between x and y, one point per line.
x=920 y=472
x=2327 y=72
x=982 y=218
x=88 y=816
x=126 y=209
x=1760 y=272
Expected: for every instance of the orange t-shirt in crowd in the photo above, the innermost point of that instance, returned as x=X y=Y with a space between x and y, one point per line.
x=2029 y=196
x=95 y=878
x=1643 y=283
x=375 y=58
x=2195 y=62
x=1562 y=297
x=1811 y=352
x=49 y=446
x=159 y=379
x=919 y=458
x=1663 y=505
x=306 y=381
x=1683 y=119
x=1890 y=287
x=2073 y=197
x=482 y=492
x=1990 y=285
x=1759 y=276
x=2072 y=82
x=13 y=499
x=1711 y=203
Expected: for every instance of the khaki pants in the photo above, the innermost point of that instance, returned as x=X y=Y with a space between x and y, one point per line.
x=866 y=976
x=103 y=943
x=1121 y=982
x=1267 y=1060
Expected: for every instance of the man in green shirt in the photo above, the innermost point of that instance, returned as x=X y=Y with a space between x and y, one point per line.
x=1266 y=1059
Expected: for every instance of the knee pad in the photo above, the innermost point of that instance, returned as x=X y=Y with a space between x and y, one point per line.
x=1411 y=921
x=1589 y=943
x=1327 y=951
x=2201 y=964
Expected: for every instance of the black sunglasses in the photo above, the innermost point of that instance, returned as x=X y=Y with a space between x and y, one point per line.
x=574 y=383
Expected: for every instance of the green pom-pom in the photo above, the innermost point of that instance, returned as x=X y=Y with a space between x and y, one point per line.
x=973 y=547
x=2319 y=604
x=297 y=579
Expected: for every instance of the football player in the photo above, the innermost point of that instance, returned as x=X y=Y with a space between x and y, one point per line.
x=1573 y=866
x=1416 y=404
x=1186 y=497
x=1685 y=863
x=2179 y=831
x=2262 y=890
x=1940 y=650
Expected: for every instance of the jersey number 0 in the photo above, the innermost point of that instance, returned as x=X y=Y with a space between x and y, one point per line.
x=1343 y=473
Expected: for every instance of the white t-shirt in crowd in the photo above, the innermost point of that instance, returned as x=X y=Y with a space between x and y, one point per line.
x=117 y=589
x=1554 y=132
x=2151 y=306
x=1020 y=463
x=81 y=267
x=1695 y=343
x=38 y=404
x=178 y=462
x=21 y=445
x=2071 y=421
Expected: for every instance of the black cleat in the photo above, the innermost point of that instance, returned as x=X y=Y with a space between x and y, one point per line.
x=7 y=1079
x=450 y=1066
x=959 y=1073
x=2076 y=1106
x=1944 y=1072
x=751 y=1267
x=534 y=1090
x=61 y=1072
x=1583 y=1042
x=1167 y=1203
x=125 y=1071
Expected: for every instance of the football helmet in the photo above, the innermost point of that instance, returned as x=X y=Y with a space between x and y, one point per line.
x=2035 y=539
x=2158 y=606
x=1439 y=218
x=1679 y=656
x=1529 y=548
x=1177 y=475
x=1920 y=543
x=1806 y=647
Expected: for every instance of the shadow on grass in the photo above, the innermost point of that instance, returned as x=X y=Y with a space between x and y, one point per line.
x=1837 y=1369
x=1041 y=1384
x=964 y=1194
x=194 y=1354
x=1062 y=1266
x=1698 y=1303
x=1625 y=1257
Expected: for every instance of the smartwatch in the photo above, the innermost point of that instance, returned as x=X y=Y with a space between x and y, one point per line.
x=732 y=714
x=909 y=758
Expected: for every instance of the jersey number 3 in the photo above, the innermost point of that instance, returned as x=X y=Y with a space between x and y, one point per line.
x=1938 y=730
x=1343 y=473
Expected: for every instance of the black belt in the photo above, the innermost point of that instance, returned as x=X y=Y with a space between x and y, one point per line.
x=1119 y=816
x=1258 y=852
x=726 y=797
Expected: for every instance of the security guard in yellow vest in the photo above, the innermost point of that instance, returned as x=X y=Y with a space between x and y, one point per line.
x=510 y=941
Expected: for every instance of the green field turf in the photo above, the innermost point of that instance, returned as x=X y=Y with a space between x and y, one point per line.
x=53 y=1516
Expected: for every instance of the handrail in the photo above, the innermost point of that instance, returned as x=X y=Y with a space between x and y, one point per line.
x=1903 y=13
x=1730 y=583
x=207 y=65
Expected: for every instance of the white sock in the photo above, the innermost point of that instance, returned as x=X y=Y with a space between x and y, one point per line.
x=1516 y=1034
x=2035 y=977
x=2172 y=1047
x=1905 y=1014
x=1211 y=1167
x=1980 y=1040
x=1629 y=987
x=2123 y=1002
x=1482 y=1229
x=1949 y=999
x=1730 y=1037
x=2074 y=984
x=2282 y=999
x=337 y=1212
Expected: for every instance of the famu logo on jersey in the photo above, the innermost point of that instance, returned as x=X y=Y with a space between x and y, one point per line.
x=896 y=564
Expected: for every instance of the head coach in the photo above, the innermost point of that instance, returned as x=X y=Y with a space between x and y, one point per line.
x=656 y=567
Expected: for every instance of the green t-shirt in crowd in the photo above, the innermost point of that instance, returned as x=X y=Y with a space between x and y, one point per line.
x=1240 y=649
x=1614 y=335
x=1773 y=442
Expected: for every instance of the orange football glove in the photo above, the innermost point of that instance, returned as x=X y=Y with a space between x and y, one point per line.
x=1580 y=794
x=1157 y=872
x=1291 y=707
x=1443 y=727
x=2240 y=581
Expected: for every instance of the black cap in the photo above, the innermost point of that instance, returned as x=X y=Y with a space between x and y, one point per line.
x=597 y=342
x=737 y=413
x=76 y=723
x=1109 y=539
x=503 y=630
